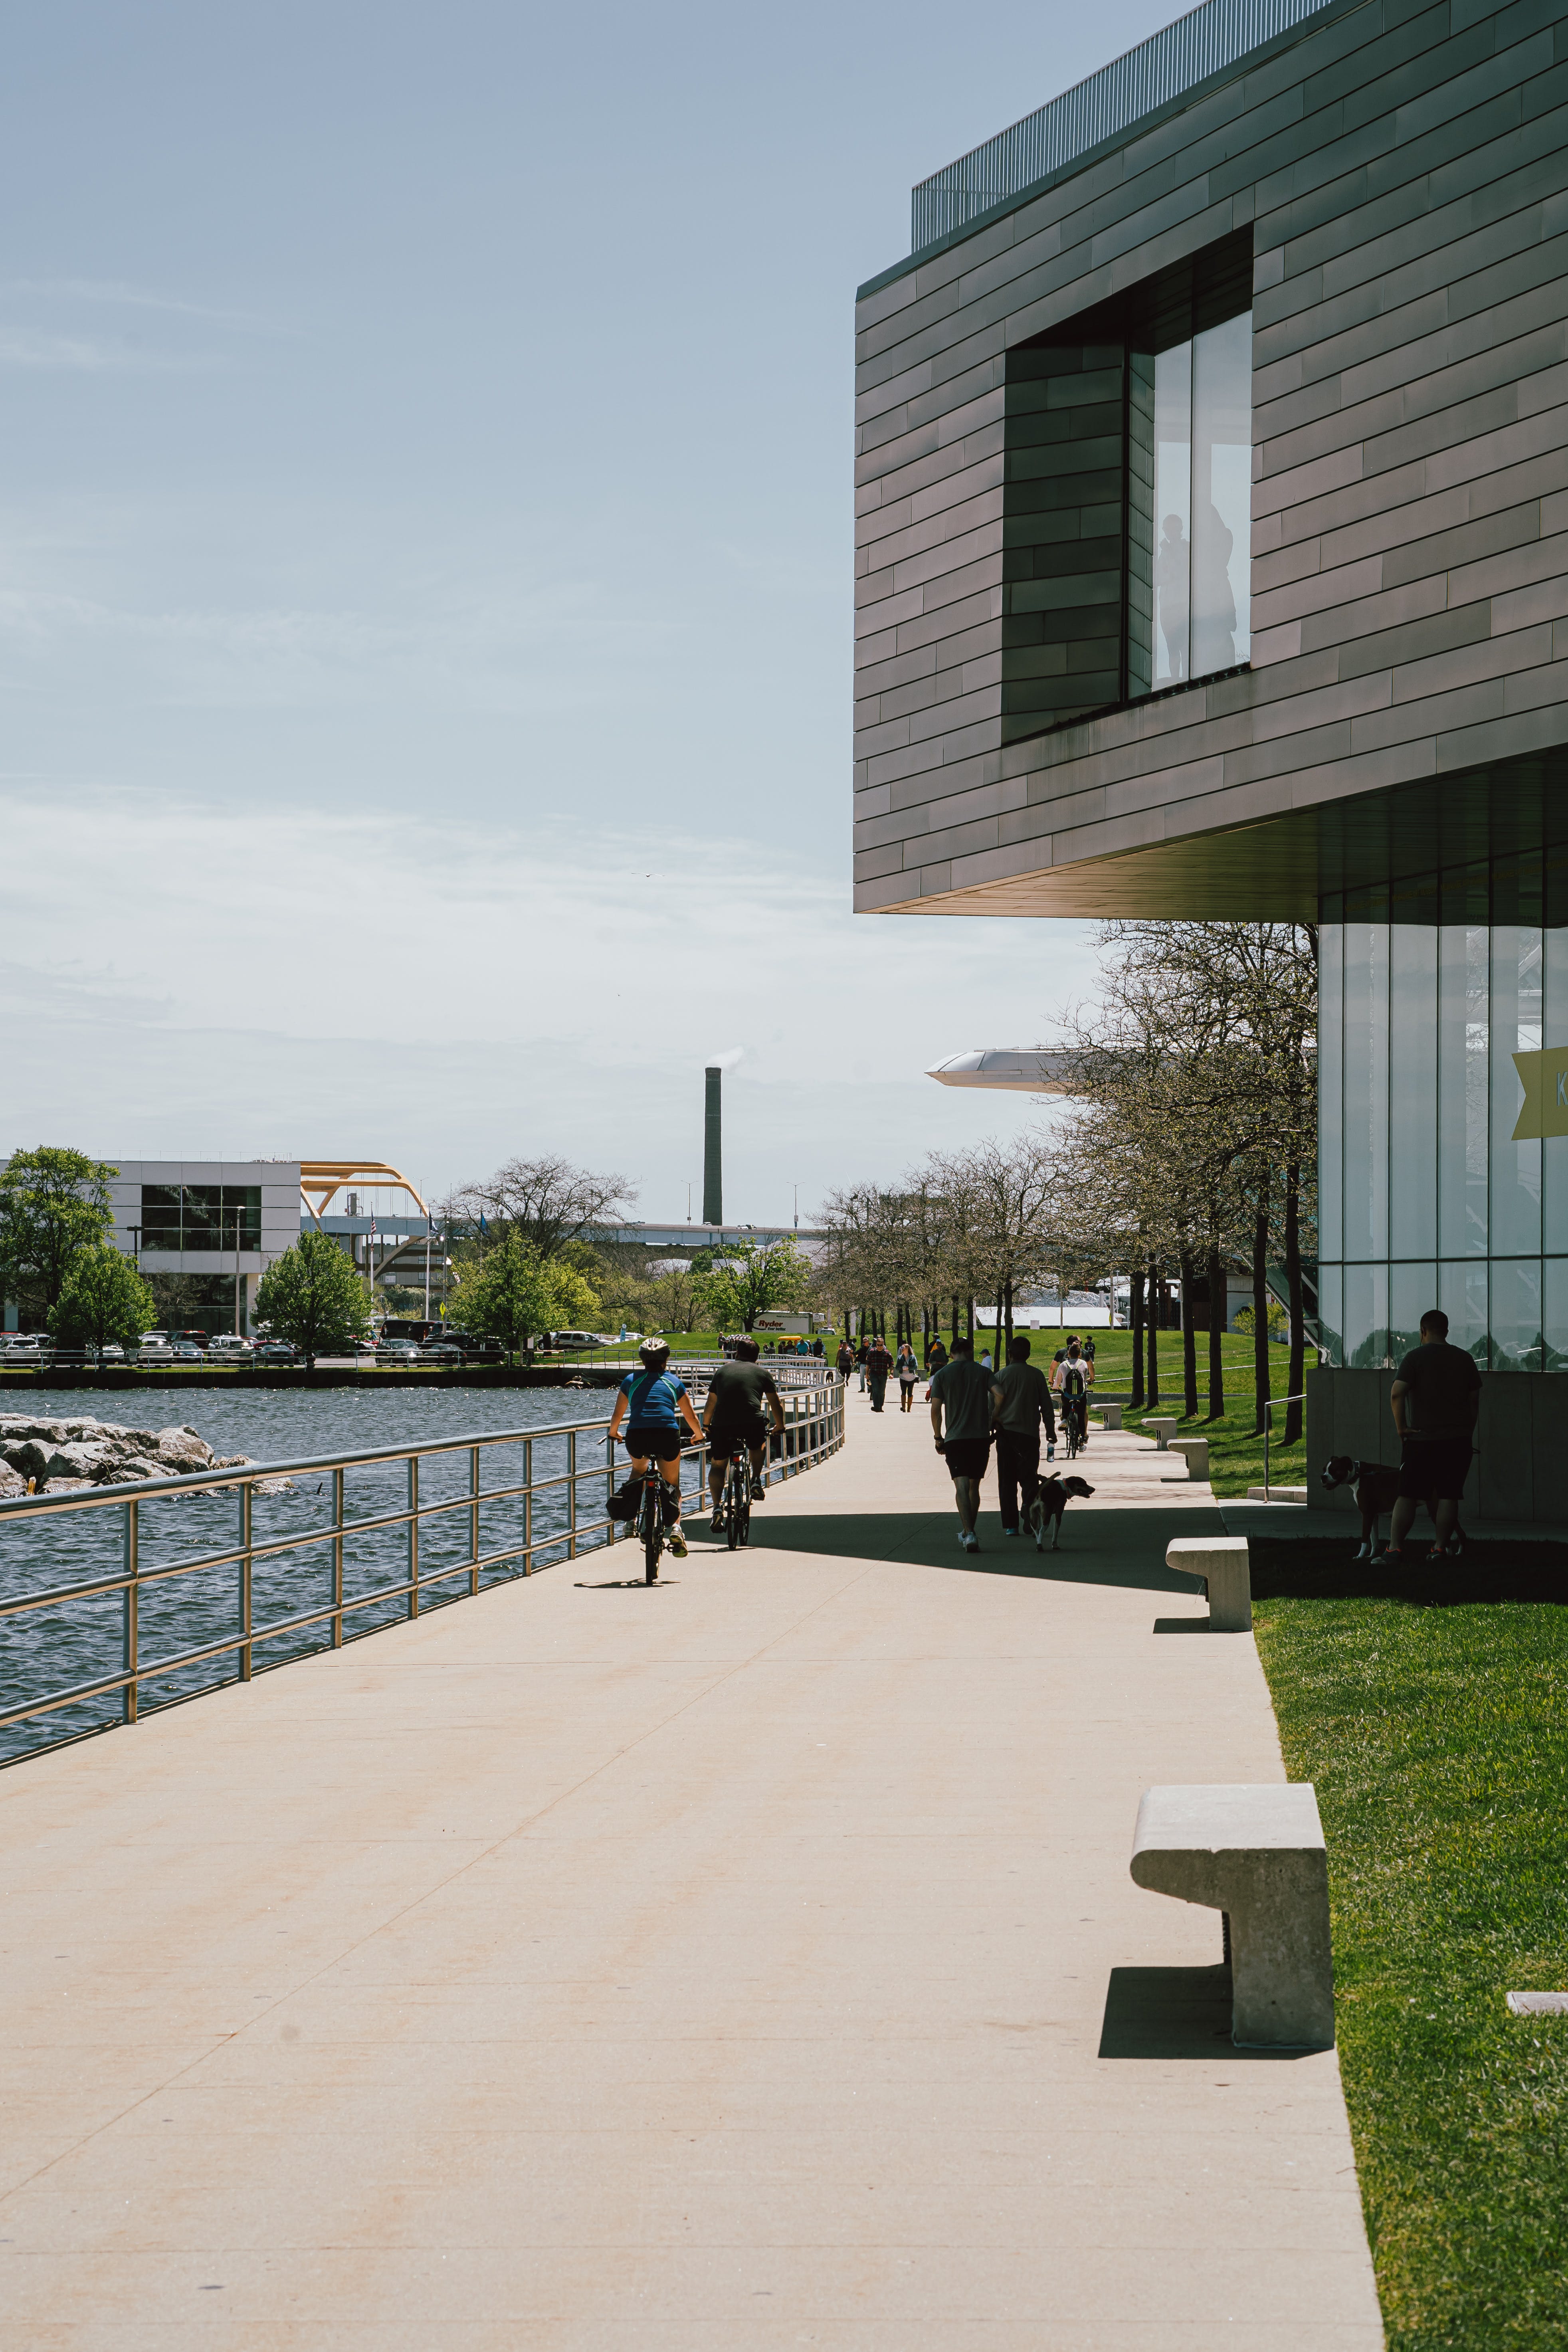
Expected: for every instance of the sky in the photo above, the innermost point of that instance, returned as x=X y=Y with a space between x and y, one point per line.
x=426 y=586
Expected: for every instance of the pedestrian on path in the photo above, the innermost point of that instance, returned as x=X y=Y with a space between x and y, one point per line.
x=846 y=1361
x=936 y=1356
x=1020 y=1402
x=879 y=1364
x=961 y=1393
x=1436 y=1397
x=861 y=1353
x=909 y=1372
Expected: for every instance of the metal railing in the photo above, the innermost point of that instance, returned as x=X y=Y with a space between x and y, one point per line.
x=446 y=1536
x=1172 y=61
x=1268 y=1427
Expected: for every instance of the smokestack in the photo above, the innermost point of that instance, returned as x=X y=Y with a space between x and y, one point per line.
x=712 y=1153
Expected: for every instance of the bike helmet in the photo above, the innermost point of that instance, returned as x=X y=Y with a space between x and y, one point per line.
x=655 y=1354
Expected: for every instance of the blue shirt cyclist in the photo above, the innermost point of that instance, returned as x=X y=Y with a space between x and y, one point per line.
x=654 y=1406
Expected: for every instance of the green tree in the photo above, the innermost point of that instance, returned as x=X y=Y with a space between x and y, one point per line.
x=313 y=1298
x=53 y=1202
x=102 y=1299
x=515 y=1295
x=745 y=1279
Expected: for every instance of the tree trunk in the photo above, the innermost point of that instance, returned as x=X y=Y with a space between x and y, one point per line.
x=996 y=1342
x=1007 y=1349
x=1135 y=1316
x=1260 y=1311
x=1218 y=1300
x=1189 y=1343
x=955 y=1316
x=1296 y=1380
x=1151 y=1380
x=971 y=1323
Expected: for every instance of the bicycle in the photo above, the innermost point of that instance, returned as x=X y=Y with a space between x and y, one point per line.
x=735 y=1499
x=648 y=1523
x=1075 y=1420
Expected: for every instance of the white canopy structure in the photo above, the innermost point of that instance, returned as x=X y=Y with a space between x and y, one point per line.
x=1025 y=1069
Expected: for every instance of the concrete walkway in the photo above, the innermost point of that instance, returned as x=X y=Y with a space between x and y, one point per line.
x=750 y=1962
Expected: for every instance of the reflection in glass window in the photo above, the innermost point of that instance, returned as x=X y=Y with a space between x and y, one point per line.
x=201 y=1217
x=1201 y=528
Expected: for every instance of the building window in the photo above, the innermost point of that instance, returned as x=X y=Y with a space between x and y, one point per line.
x=1190 y=507
x=191 y=1217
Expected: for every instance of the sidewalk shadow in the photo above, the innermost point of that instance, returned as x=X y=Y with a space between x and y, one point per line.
x=1491 y=1569
x=1124 y=1548
x=1174 y=2013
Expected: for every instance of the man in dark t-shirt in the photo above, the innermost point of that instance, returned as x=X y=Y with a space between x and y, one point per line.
x=735 y=1416
x=1436 y=1397
x=961 y=1393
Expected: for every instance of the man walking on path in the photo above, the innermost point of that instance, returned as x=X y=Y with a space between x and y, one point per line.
x=1436 y=1397
x=879 y=1364
x=962 y=1391
x=1020 y=1402
x=846 y=1361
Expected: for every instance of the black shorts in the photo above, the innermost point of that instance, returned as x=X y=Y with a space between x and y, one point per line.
x=731 y=1437
x=968 y=1457
x=1434 y=1469
x=662 y=1442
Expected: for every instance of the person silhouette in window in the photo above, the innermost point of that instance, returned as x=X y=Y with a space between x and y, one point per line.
x=1172 y=573
x=1213 y=595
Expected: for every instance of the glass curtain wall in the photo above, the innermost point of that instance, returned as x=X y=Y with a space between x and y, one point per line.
x=1190 y=507
x=1430 y=987
x=200 y=1217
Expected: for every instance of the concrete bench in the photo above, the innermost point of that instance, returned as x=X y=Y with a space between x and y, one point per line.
x=1225 y=1566
x=1110 y=1414
x=1164 y=1427
x=1197 y=1450
x=1257 y=1856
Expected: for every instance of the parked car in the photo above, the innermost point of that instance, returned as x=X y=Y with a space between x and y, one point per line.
x=440 y=1351
x=274 y=1351
x=229 y=1343
x=396 y=1352
x=193 y=1340
x=185 y=1353
x=27 y=1346
x=569 y=1342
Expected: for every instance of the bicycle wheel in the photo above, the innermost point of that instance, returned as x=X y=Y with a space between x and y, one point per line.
x=742 y=1519
x=732 y=1503
x=652 y=1530
x=1070 y=1417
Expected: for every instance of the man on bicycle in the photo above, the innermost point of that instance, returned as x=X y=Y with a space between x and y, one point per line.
x=1072 y=1377
x=733 y=1419
x=653 y=1403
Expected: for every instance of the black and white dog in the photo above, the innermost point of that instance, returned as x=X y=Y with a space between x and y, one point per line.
x=1054 y=1494
x=1376 y=1489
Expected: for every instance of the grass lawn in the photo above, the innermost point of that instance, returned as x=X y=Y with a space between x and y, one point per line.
x=1438 y=1737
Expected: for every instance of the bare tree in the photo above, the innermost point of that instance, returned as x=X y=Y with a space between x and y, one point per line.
x=547 y=1201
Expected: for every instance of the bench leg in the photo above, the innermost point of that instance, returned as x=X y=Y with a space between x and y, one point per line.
x=1281 y=1957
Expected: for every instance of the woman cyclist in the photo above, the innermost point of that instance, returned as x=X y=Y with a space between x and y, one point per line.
x=653 y=1403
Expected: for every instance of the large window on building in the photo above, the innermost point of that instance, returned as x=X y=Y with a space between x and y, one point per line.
x=1127 y=497
x=192 y=1217
x=1190 y=507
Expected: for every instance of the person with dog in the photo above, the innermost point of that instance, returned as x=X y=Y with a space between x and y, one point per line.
x=961 y=1393
x=1436 y=1397
x=734 y=1418
x=1020 y=1403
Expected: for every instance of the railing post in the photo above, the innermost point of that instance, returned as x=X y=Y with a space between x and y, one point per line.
x=528 y=1507
x=132 y=1568
x=245 y=1579
x=571 y=1494
x=338 y=1558
x=413 y=1535
x=473 y=1520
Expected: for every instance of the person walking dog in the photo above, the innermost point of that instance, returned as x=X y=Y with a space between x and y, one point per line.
x=961 y=1392
x=1436 y=1397
x=1021 y=1402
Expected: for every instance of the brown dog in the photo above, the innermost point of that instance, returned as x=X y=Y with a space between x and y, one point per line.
x=1376 y=1489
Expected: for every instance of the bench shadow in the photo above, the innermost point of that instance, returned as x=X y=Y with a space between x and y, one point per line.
x=1125 y=1548
x=1184 y=1625
x=1174 y=2013
x=1491 y=1569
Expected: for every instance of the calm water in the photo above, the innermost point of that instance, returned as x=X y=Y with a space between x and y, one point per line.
x=80 y=1639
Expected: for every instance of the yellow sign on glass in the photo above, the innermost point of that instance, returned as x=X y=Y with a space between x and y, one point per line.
x=1544 y=1077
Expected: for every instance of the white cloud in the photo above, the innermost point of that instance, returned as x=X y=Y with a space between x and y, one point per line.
x=305 y=980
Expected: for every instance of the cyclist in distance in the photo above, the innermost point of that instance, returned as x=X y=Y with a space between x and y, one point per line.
x=734 y=1417
x=1072 y=1377
x=653 y=1403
